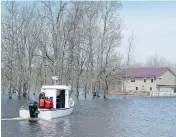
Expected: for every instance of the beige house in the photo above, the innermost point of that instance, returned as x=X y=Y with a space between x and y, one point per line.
x=150 y=81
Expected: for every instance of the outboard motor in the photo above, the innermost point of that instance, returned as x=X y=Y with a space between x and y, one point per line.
x=33 y=110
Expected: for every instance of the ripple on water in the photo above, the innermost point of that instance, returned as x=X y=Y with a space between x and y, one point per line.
x=114 y=117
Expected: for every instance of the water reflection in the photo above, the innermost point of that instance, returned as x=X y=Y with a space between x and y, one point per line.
x=67 y=127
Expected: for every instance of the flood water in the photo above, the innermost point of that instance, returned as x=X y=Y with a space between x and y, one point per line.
x=113 y=117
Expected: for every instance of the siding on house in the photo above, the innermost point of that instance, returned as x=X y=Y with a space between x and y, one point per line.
x=167 y=78
x=174 y=71
x=140 y=84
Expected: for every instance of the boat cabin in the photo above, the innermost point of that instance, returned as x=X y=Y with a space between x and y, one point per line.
x=59 y=93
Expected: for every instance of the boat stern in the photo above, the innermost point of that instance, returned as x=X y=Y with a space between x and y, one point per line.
x=24 y=112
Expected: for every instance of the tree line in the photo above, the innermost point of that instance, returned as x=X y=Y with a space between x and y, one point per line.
x=76 y=41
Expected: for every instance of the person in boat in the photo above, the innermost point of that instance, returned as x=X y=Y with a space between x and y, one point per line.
x=45 y=102
x=49 y=103
x=42 y=100
x=33 y=106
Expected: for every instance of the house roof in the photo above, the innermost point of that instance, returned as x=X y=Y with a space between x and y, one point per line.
x=145 y=71
x=174 y=71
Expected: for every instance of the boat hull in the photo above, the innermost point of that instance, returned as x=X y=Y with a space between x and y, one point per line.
x=47 y=114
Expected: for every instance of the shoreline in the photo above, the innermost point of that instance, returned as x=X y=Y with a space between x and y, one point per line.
x=138 y=95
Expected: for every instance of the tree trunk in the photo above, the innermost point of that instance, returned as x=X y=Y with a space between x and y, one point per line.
x=106 y=86
x=25 y=90
x=77 y=88
x=85 y=93
x=104 y=95
x=19 y=90
x=10 y=92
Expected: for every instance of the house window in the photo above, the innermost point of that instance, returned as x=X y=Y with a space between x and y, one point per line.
x=160 y=78
x=136 y=88
x=175 y=90
x=132 y=79
x=144 y=80
x=150 y=88
x=151 y=80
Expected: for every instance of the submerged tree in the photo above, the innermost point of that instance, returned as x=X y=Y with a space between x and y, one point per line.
x=76 y=41
x=129 y=58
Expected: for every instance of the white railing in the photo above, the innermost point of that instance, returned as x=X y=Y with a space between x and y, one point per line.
x=162 y=94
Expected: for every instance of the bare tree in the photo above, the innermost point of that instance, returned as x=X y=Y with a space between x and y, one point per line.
x=158 y=61
x=74 y=40
x=111 y=37
x=8 y=41
x=129 y=57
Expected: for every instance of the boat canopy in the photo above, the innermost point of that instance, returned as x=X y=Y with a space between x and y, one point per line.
x=61 y=87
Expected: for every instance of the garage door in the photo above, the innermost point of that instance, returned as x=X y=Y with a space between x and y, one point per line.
x=166 y=91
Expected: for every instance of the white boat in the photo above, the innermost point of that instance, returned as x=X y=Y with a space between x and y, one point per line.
x=59 y=109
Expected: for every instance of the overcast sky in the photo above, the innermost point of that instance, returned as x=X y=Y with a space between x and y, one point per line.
x=154 y=26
